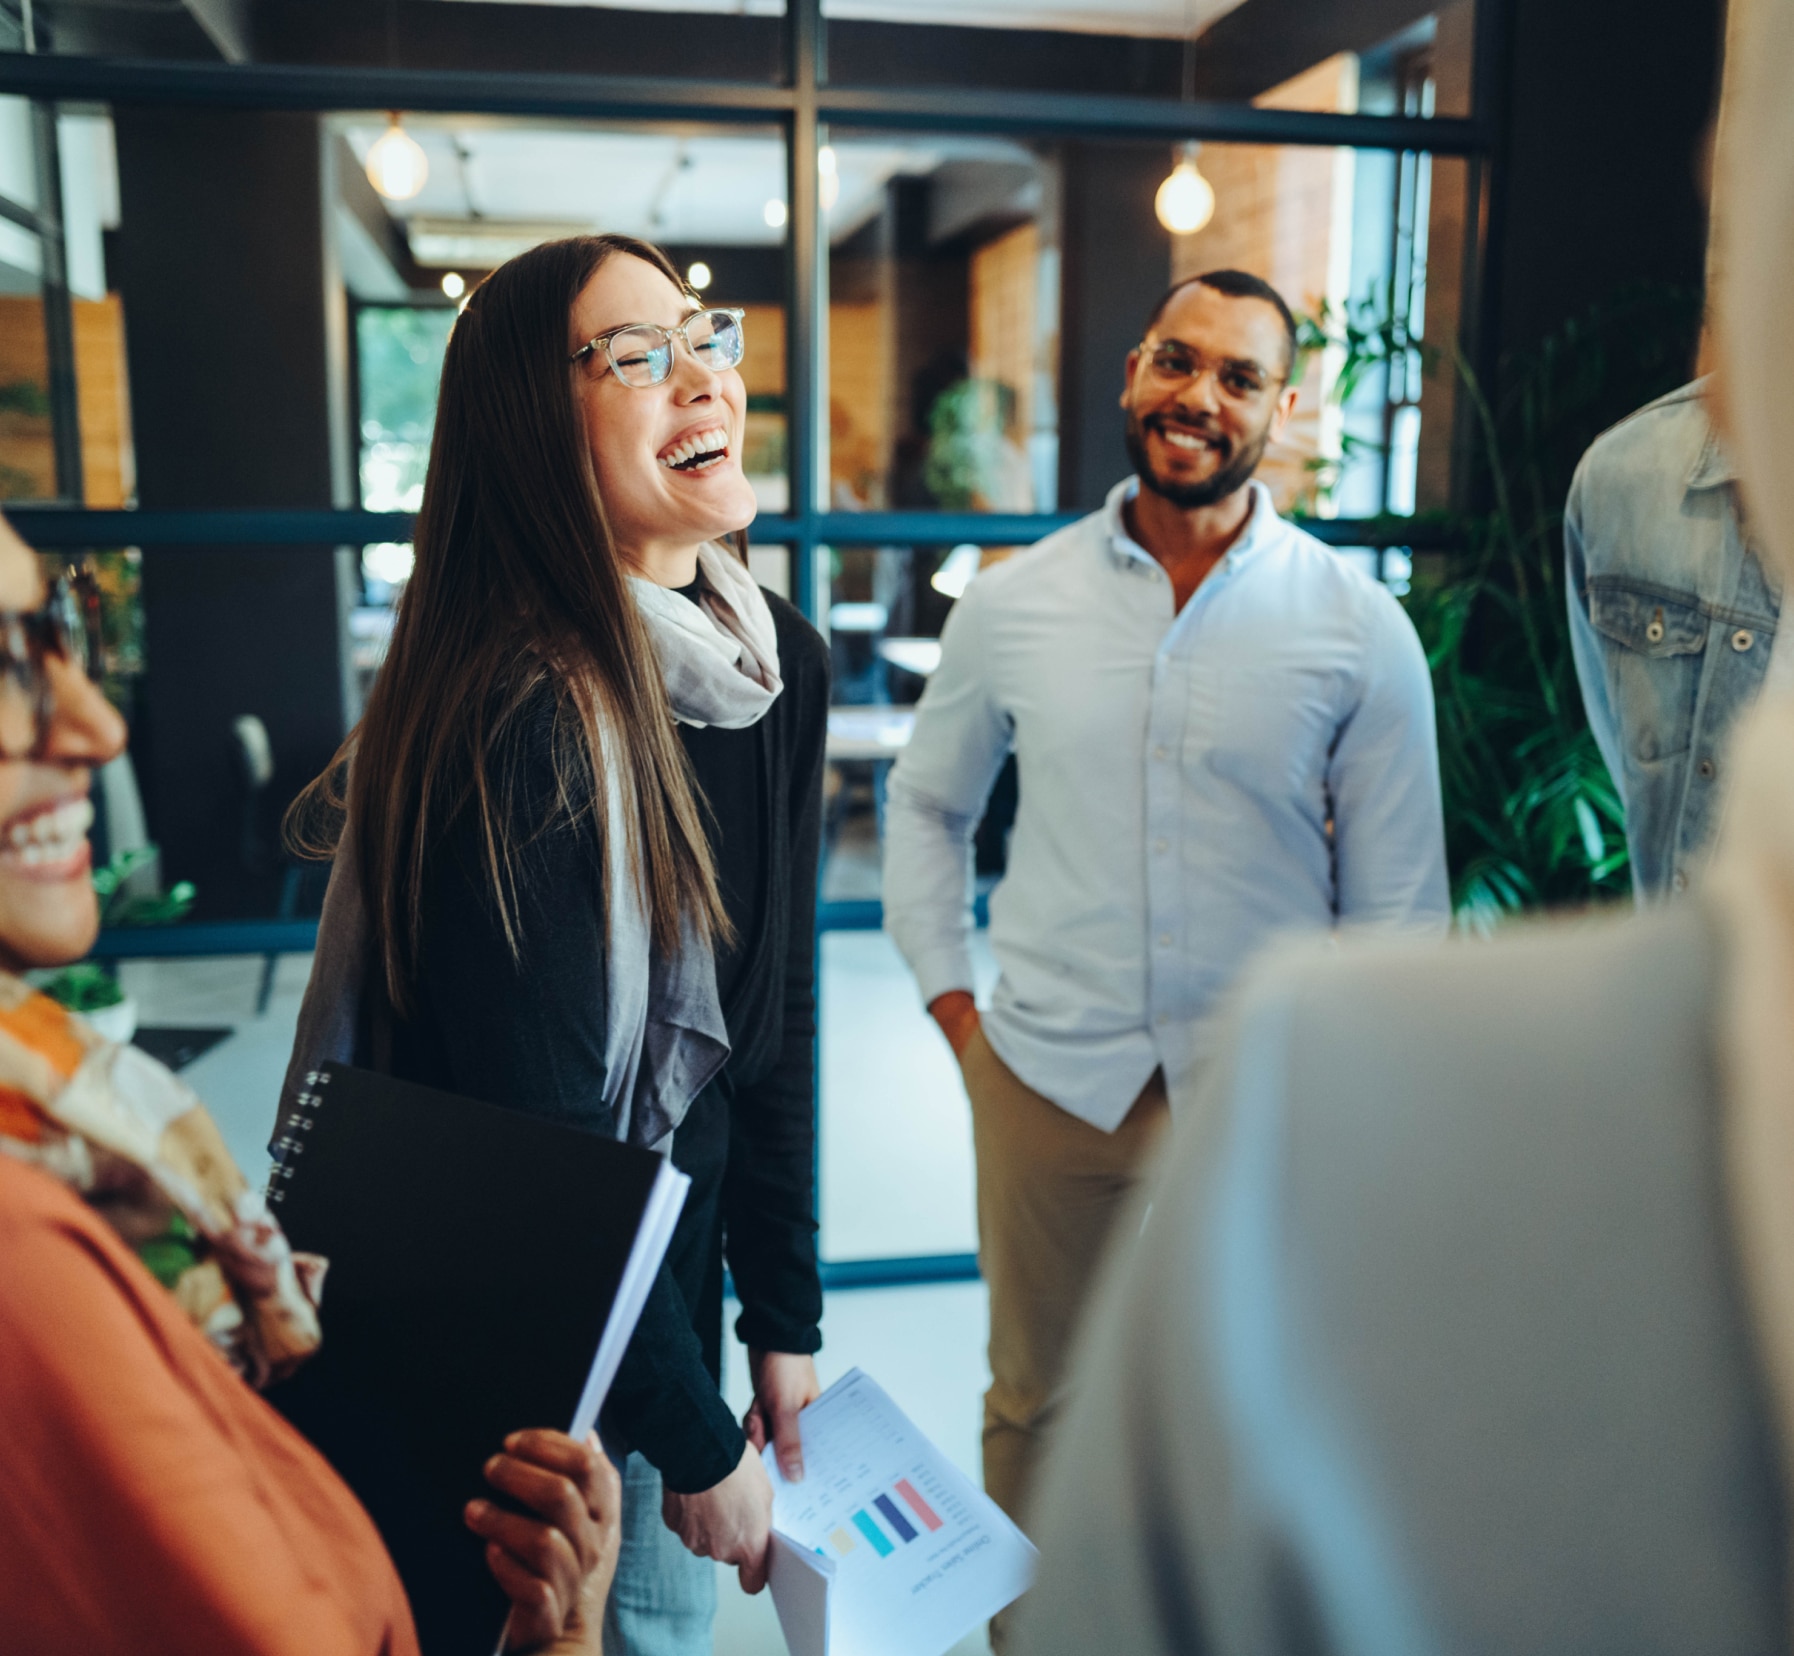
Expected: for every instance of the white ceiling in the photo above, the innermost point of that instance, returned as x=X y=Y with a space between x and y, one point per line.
x=1136 y=17
x=682 y=189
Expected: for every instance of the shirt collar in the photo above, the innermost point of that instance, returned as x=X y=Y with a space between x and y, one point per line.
x=1712 y=466
x=1260 y=524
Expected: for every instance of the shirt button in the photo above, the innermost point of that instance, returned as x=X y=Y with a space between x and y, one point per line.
x=1162 y=1018
x=1742 y=639
x=1705 y=767
x=1159 y=751
x=1164 y=940
x=1161 y=846
x=1680 y=882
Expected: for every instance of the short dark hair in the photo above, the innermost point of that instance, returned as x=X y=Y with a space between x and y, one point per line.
x=1236 y=284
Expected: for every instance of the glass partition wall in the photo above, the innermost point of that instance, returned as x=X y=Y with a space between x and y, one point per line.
x=941 y=224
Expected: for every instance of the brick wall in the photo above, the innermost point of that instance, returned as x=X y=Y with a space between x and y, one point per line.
x=1283 y=213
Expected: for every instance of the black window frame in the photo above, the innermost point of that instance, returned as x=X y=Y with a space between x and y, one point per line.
x=802 y=107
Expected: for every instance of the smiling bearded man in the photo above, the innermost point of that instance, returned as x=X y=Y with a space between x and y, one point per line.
x=1224 y=733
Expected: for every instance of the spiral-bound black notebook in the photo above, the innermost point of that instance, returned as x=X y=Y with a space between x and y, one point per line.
x=487 y=1269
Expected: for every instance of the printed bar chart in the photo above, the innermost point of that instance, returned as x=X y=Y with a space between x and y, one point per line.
x=885 y=1548
x=841 y=1539
x=880 y=1543
x=906 y=1531
x=930 y=1519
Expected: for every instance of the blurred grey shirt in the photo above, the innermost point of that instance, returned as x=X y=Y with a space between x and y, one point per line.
x=1193 y=783
x=1435 y=1339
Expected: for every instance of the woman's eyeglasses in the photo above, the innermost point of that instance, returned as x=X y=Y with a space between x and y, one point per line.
x=641 y=354
x=61 y=626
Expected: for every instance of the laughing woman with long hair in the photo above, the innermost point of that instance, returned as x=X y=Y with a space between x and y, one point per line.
x=578 y=870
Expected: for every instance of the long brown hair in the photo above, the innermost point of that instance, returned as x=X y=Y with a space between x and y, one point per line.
x=517 y=583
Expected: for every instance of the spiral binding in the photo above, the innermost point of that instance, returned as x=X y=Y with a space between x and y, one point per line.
x=291 y=1143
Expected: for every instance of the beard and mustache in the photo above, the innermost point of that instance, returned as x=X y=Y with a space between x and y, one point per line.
x=1235 y=471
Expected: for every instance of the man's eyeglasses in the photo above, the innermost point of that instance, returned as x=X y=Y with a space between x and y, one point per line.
x=641 y=353
x=62 y=626
x=1240 y=382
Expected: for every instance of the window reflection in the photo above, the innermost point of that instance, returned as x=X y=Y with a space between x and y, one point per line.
x=1367 y=247
x=399 y=351
x=886 y=608
x=943 y=326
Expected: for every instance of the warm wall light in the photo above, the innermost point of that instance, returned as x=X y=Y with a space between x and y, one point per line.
x=698 y=277
x=1186 y=200
x=453 y=284
x=775 y=213
x=397 y=166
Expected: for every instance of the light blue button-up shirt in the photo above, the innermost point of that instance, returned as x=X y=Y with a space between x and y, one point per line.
x=1192 y=785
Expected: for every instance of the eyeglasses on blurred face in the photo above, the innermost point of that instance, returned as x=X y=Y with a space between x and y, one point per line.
x=63 y=626
x=1242 y=381
x=640 y=354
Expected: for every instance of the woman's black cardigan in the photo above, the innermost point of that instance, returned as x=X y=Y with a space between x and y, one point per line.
x=531 y=1035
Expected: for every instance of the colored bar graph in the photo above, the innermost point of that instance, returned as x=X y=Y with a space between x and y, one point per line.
x=874 y=1534
x=841 y=1541
x=906 y=1531
x=917 y=1505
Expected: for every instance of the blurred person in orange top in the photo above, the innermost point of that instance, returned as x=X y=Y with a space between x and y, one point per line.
x=150 y=1501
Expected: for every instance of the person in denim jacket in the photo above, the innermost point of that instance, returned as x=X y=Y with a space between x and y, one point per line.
x=1672 y=623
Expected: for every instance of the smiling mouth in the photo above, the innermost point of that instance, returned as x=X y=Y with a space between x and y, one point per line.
x=1189 y=442
x=49 y=843
x=698 y=452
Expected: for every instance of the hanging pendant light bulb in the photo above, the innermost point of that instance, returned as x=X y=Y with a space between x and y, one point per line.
x=1186 y=200
x=397 y=166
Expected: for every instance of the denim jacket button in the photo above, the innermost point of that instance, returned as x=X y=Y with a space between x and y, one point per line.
x=1654 y=632
x=1742 y=639
x=1705 y=767
x=1680 y=882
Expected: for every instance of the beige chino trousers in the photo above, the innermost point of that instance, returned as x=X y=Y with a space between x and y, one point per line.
x=1050 y=1188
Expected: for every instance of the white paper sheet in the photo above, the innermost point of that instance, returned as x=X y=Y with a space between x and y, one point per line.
x=800 y=1581
x=920 y=1555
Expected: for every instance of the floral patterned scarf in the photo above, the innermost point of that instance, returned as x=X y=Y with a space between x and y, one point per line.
x=137 y=1145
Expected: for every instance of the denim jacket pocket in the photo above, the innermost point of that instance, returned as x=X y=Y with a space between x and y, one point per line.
x=1654 y=675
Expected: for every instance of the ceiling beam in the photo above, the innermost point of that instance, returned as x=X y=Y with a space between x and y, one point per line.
x=604 y=97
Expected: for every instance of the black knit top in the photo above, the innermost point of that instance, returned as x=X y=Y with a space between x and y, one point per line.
x=531 y=1036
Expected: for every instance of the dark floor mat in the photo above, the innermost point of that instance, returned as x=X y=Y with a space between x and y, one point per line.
x=175 y=1047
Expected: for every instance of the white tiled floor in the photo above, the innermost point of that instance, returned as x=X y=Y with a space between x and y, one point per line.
x=896 y=1135
x=239 y=1078
x=896 y=1179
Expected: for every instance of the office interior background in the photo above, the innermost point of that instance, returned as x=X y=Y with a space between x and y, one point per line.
x=219 y=342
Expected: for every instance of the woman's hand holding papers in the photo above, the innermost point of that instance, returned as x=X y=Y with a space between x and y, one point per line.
x=784 y=1383
x=730 y=1522
x=557 y=1572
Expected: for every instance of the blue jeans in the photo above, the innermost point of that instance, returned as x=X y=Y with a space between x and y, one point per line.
x=664 y=1600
